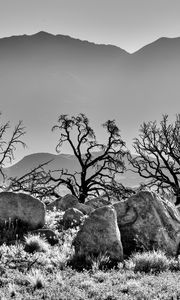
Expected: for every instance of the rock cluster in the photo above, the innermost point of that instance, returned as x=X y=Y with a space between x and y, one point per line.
x=143 y=221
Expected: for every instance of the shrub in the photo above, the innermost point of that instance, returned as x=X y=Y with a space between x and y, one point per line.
x=100 y=262
x=35 y=243
x=94 y=262
x=54 y=220
x=152 y=261
x=12 y=290
x=36 y=279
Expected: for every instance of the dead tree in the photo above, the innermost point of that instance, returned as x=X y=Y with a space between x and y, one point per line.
x=98 y=163
x=158 y=155
x=8 y=144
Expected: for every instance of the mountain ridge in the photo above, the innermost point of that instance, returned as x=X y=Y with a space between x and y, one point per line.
x=46 y=78
x=60 y=161
x=44 y=34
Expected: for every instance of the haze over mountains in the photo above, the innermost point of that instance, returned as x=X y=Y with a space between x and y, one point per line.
x=42 y=76
x=61 y=161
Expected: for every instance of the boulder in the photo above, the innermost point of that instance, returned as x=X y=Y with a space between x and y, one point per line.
x=54 y=204
x=22 y=207
x=85 y=209
x=49 y=235
x=72 y=217
x=100 y=235
x=149 y=222
x=68 y=201
x=97 y=202
x=63 y=203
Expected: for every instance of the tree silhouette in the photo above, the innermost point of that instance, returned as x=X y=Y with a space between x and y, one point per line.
x=98 y=163
x=158 y=155
x=9 y=143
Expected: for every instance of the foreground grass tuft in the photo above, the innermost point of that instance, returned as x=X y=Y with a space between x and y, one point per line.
x=49 y=275
x=36 y=279
x=150 y=262
x=35 y=243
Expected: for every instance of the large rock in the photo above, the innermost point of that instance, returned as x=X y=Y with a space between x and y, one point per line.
x=69 y=201
x=97 y=202
x=22 y=207
x=146 y=221
x=72 y=217
x=100 y=234
x=54 y=204
x=85 y=209
x=63 y=203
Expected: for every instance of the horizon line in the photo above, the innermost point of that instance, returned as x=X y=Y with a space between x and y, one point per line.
x=85 y=40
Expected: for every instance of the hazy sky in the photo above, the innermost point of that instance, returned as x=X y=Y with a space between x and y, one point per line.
x=130 y=24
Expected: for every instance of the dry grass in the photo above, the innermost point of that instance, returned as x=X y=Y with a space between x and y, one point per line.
x=47 y=275
x=35 y=243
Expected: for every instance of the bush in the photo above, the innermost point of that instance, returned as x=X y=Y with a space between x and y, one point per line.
x=35 y=243
x=92 y=262
x=36 y=279
x=54 y=220
x=152 y=261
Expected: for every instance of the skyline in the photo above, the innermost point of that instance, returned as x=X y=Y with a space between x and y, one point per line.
x=128 y=24
x=43 y=76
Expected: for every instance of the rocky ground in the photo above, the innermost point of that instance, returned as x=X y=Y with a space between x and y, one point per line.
x=81 y=254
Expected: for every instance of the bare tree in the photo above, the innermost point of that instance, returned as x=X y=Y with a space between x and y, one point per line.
x=8 y=144
x=36 y=182
x=158 y=155
x=98 y=163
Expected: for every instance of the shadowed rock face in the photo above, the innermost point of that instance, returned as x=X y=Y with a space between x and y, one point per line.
x=100 y=234
x=72 y=217
x=69 y=201
x=63 y=203
x=85 y=209
x=97 y=202
x=54 y=204
x=23 y=207
x=145 y=220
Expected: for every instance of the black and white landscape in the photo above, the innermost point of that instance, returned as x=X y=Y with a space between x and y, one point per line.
x=89 y=149
x=44 y=75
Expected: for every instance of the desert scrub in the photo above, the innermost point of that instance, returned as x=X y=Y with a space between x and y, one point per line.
x=149 y=262
x=36 y=279
x=54 y=220
x=35 y=243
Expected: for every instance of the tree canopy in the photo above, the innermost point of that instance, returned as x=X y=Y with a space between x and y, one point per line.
x=99 y=163
x=158 y=155
x=8 y=144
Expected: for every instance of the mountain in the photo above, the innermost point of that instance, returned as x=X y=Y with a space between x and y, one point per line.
x=60 y=161
x=45 y=75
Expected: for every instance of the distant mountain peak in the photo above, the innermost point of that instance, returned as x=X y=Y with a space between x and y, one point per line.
x=43 y=33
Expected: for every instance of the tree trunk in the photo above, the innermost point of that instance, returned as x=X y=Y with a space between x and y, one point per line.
x=82 y=198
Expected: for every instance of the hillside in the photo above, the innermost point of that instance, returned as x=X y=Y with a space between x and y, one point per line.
x=60 y=161
x=44 y=75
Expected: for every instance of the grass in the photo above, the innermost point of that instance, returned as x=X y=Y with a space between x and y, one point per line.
x=150 y=262
x=49 y=275
x=35 y=243
x=36 y=279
